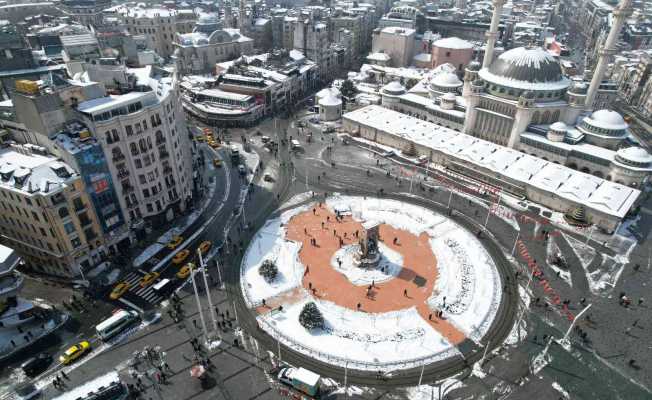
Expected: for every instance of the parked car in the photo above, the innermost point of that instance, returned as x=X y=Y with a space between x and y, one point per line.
x=148 y=279
x=36 y=365
x=205 y=246
x=184 y=272
x=176 y=241
x=75 y=352
x=181 y=256
x=119 y=290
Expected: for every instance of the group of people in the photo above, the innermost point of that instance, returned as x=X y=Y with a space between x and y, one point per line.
x=59 y=382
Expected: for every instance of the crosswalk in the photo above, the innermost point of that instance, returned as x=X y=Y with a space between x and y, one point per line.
x=147 y=293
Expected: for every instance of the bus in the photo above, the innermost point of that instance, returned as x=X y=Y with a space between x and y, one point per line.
x=115 y=324
x=235 y=154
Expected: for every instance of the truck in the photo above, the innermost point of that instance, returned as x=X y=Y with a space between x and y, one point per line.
x=300 y=379
x=235 y=154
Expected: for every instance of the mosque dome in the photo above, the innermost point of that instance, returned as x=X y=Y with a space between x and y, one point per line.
x=634 y=156
x=207 y=23
x=557 y=132
x=559 y=127
x=474 y=66
x=394 y=88
x=608 y=119
x=446 y=79
x=526 y=68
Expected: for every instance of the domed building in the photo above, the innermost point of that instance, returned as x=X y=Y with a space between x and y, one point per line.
x=522 y=86
x=330 y=108
x=209 y=43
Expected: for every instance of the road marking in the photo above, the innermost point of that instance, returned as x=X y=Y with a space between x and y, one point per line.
x=132 y=305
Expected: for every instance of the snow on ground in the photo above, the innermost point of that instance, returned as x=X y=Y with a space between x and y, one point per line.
x=431 y=392
x=270 y=243
x=389 y=265
x=551 y=250
x=561 y=390
x=400 y=339
x=584 y=252
x=468 y=280
x=604 y=278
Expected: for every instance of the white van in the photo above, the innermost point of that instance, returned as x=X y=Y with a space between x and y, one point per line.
x=295 y=144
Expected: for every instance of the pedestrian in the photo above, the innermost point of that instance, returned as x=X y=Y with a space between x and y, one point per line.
x=334 y=232
x=430 y=317
x=344 y=234
x=373 y=283
x=322 y=224
x=314 y=291
x=405 y=292
x=64 y=375
x=640 y=301
x=264 y=303
x=395 y=240
x=637 y=267
x=307 y=269
x=227 y=314
x=310 y=285
x=328 y=218
x=314 y=211
x=194 y=322
x=305 y=230
x=534 y=339
x=359 y=305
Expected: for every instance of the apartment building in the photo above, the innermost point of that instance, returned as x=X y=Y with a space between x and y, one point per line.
x=158 y=25
x=46 y=215
x=144 y=135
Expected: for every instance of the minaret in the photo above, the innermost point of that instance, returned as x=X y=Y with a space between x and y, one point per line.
x=620 y=13
x=493 y=33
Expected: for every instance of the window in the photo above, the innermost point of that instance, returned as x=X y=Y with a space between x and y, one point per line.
x=146 y=193
x=142 y=179
x=138 y=162
x=69 y=227
x=133 y=148
x=63 y=212
x=149 y=207
x=129 y=130
x=145 y=124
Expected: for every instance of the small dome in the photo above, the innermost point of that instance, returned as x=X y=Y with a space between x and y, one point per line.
x=636 y=155
x=579 y=88
x=454 y=43
x=327 y=92
x=559 y=126
x=330 y=101
x=394 y=88
x=608 y=119
x=450 y=96
x=446 y=79
x=474 y=66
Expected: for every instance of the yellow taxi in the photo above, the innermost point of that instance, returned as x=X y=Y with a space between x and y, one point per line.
x=176 y=241
x=74 y=352
x=217 y=162
x=181 y=256
x=205 y=246
x=184 y=272
x=119 y=290
x=148 y=279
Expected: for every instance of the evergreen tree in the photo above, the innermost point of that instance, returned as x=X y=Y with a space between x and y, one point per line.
x=348 y=89
x=268 y=270
x=310 y=317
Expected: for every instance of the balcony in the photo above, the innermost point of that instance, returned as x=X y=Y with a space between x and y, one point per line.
x=160 y=140
x=132 y=204
x=167 y=169
x=80 y=206
x=127 y=188
x=163 y=155
x=123 y=173
x=118 y=157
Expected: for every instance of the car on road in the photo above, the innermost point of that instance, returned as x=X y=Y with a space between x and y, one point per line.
x=422 y=160
x=205 y=246
x=265 y=139
x=27 y=391
x=268 y=178
x=184 y=272
x=74 y=352
x=36 y=365
x=148 y=279
x=181 y=256
x=217 y=163
x=119 y=290
x=175 y=242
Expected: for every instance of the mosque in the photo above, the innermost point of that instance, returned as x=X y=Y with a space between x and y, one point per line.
x=531 y=127
x=523 y=101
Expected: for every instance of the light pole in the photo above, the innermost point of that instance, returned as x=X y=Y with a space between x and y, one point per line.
x=201 y=314
x=450 y=197
x=489 y=213
x=211 y=310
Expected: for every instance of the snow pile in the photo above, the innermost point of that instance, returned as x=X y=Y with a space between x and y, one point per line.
x=584 y=252
x=468 y=279
x=400 y=339
x=604 y=278
x=270 y=243
x=389 y=266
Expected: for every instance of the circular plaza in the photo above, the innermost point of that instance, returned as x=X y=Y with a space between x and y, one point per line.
x=372 y=284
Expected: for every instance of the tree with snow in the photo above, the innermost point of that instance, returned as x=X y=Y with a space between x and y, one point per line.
x=310 y=317
x=268 y=270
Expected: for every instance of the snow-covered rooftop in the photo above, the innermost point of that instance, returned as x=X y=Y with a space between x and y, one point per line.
x=599 y=194
x=453 y=43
